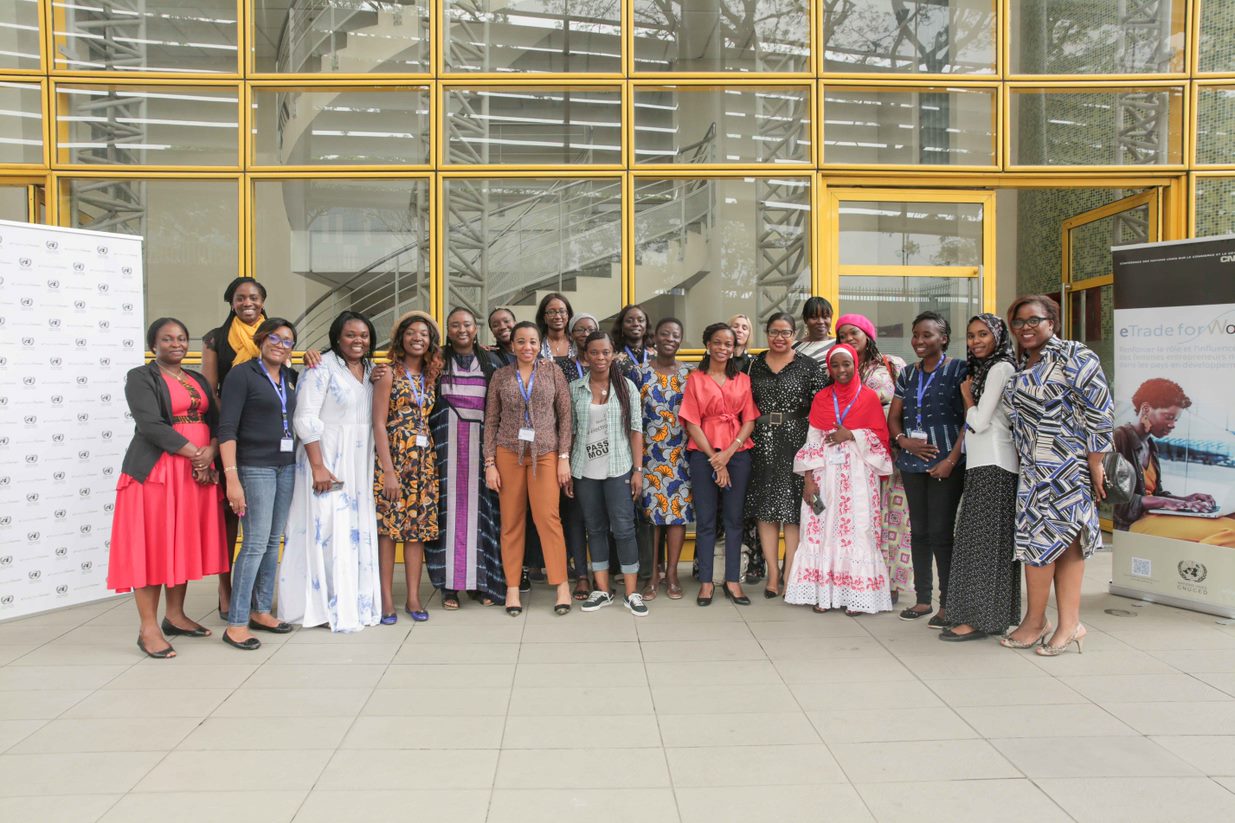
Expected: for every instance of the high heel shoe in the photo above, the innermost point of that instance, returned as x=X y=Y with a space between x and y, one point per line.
x=1008 y=643
x=1078 y=636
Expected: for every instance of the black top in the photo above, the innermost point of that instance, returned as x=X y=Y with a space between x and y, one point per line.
x=150 y=403
x=252 y=415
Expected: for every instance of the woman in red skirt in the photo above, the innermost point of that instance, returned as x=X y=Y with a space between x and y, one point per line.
x=168 y=524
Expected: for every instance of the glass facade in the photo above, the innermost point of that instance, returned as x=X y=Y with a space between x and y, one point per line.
x=704 y=157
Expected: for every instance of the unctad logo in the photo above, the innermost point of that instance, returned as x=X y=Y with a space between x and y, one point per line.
x=60 y=514
x=53 y=245
x=32 y=497
x=25 y=262
x=79 y=266
x=57 y=399
x=62 y=551
x=26 y=302
x=27 y=342
x=62 y=590
x=79 y=305
x=127 y=271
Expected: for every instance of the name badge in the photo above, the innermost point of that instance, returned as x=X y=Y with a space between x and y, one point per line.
x=527 y=435
x=836 y=457
x=286 y=444
x=422 y=441
x=916 y=434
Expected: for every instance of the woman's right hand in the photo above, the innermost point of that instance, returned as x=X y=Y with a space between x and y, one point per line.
x=378 y=372
x=810 y=488
x=235 y=497
x=921 y=449
x=493 y=480
x=722 y=478
x=323 y=479
x=390 y=486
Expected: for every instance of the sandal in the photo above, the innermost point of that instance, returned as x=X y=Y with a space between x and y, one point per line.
x=819 y=609
x=675 y=591
x=450 y=600
x=581 y=593
x=650 y=590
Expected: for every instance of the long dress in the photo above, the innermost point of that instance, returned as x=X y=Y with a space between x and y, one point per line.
x=838 y=564
x=666 y=498
x=787 y=393
x=894 y=543
x=329 y=574
x=413 y=516
x=466 y=556
x=168 y=530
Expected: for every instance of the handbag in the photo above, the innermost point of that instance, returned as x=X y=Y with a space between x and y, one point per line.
x=1119 y=481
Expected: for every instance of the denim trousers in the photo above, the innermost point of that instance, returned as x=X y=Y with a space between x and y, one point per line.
x=608 y=508
x=575 y=534
x=268 y=499
x=932 y=525
x=732 y=504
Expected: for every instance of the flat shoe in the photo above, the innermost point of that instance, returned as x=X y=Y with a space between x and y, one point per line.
x=937 y=622
x=950 y=636
x=911 y=614
x=675 y=592
x=705 y=601
x=172 y=629
x=282 y=628
x=769 y=594
x=417 y=616
x=161 y=654
x=389 y=619
x=250 y=645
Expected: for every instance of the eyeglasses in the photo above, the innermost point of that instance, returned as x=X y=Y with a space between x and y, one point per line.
x=286 y=343
x=783 y=333
x=556 y=313
x=1031 y=322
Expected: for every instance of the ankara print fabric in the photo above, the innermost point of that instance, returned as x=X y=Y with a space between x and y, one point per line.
x=666 y=498
x=1060 y=410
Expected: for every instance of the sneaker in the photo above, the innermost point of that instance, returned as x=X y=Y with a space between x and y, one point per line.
x=597 y=600
x=636 y=605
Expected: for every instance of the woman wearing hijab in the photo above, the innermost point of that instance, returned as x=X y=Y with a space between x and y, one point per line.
x=985 y=583
x=838 y=564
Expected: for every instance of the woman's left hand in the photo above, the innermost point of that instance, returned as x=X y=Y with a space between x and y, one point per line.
x=1098 y=475
x=563 y=473
x=378 y=372
x=205 y=457
x=942 y=470
x=719 y=459
x=323 y=479
x=840 y=435
x=312 y=358
x=636 y=485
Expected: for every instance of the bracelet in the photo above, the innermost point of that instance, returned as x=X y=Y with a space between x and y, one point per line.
x=898 y=437
x=638 y=469
x=229 y=468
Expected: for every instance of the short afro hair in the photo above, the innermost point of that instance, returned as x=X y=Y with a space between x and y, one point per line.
x=1160 y=393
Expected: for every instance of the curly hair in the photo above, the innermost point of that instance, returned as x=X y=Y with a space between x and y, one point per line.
x=433 y=354
x=1050 y=308
x=1160 y=393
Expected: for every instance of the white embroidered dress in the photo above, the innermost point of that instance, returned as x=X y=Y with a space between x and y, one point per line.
x=329 y=574
x=839 y=564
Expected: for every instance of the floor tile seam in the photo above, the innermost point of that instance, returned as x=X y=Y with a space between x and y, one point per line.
x=1230 y=788
x=510 y=694
x=660 y=733
x=42 y=721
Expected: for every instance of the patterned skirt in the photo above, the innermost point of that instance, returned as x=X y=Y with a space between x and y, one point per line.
x=984 y=590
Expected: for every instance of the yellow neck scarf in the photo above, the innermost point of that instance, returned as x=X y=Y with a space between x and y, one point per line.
x=240 y=338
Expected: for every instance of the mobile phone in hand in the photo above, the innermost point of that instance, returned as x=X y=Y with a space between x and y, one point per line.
x=816 y=505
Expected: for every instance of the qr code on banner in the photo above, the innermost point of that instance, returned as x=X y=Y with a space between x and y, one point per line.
x=1142 y=567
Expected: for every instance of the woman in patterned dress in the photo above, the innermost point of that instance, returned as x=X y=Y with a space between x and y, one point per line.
x=405 y=482
x=666 y=500
x=879 y=371
x=1059 y=405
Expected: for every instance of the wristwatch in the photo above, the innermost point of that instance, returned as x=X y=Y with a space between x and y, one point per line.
x=563 y=456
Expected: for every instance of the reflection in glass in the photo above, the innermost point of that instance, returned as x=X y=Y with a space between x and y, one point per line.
x=705 y=124
x=910 y=234
x=152 y=35
x=910 y=36
x=1215 y=124
x=510 y=241
x=579 y=126
x=1096 y=36
x=706 y=249
x=1091 y=243
x=1091 y=320
x=15 y=204
x=21 y=123
x=512 y=36
x=333 y=127
x=722 y=35
x=191 y=240
x=327 y=245
x=19 y=34
x=1126 y=127
x=891 y=303
x=867 y=126
x=341 y=36
x=1216 y=46
x=148 y=125
x=1215 y=206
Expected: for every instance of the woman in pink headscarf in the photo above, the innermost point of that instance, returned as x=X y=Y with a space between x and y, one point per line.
x=879 y=372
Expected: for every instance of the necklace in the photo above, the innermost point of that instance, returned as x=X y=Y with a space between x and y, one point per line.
x=604 y=392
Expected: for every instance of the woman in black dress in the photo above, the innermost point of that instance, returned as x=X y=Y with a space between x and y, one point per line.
x=784 y=384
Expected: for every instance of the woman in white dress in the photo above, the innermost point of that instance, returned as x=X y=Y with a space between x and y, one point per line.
x=838 y=564
x=329 y=575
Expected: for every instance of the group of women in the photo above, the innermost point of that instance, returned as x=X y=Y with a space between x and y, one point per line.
x=566 y=449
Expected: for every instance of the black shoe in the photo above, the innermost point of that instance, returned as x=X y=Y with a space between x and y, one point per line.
x=738 y=599
x=705 y=601
x=561 y=609
x=937 y=622
x=950 y=636
x=514 y=611
x=282 y=628
x=525 y=583
x=161 y=654
x=910 y=614
x=769 y=594
x=537 y=576
x=252 y=644
x=175 y=631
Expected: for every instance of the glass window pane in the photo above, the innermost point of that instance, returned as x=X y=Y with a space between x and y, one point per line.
x=1091 y=243
x=191 y=247
x=1215 y=206
x=868 y=126
x=341 y=36
x=14 y=204
x=910 y=234
x=21 y=123
x=1091 y=320
x=323 y=246
x=19 y=34
x=152 y=35
x=510 y=241
x=706 y=249
x=1215 y=124
x=722 y=35
x=705 y=124
x=1096 y=36
x=1126 y=127
x=931 y=36
x=891 y=303
x=149 y=125
x=338 y=127
x=1217 y=44
x=566 y=126
x=533 y=36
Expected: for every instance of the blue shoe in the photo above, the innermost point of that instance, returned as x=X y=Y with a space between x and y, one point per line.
x=419 y=617
x=389 y=619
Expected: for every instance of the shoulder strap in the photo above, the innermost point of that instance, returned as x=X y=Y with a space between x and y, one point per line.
x=890 y=366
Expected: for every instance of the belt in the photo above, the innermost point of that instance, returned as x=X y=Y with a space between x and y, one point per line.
x=778 y=418
x=187 y=418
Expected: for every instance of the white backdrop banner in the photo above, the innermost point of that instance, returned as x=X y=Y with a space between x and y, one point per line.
x=71 y=326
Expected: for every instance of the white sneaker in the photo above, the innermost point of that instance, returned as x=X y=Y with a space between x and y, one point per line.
x=636 y=605
x=597 y=600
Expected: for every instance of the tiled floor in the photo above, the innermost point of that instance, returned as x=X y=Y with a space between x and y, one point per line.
x=717 y=714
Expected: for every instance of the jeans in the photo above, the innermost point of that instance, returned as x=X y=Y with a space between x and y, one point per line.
x=932 y=523
x=575 y=533
x=607 y=507
x=732 y=504
x=268 y=498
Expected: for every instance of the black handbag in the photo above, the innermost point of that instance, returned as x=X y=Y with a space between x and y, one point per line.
x=1119 y=481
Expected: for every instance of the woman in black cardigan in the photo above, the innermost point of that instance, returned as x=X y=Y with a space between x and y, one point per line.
x=168 y=521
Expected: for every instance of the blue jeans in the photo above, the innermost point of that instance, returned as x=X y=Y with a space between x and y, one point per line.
x=731 y=502
x=267 y=498
x=608 y=507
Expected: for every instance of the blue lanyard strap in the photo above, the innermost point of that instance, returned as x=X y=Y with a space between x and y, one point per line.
x=526 y=391
x=579 y=368
x=922 y=387
x=280 y=389
x=642 y=361
x=417 y=382
x=841 y=415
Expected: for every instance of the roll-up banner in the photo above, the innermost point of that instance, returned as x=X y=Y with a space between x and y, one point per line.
x=70 y=328
x=1175 y=422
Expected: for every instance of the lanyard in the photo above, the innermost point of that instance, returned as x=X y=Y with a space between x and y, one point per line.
x=642 y=361
x=280 y=389
x=526 y=391
x=417 y=383
x=578 y=367
x=923 y=387
x=841 y=415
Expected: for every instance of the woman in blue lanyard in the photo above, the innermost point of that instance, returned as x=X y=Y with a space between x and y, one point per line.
x=257 y=448
x=573 y=529
x=926 y=421
x=406 y=484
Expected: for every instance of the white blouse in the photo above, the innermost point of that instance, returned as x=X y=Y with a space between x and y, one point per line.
x=988 y=438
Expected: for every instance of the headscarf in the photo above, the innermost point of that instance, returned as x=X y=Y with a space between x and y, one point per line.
x=570 y=327
x=858 y=321
x=978 y=368
x=866 y=411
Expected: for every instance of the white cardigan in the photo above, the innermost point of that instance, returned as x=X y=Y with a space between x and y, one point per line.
x=988 y=439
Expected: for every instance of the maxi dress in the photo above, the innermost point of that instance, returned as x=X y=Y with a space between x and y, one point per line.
x=894 y=543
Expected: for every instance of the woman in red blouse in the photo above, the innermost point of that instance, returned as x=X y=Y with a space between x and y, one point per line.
x=719 y=413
